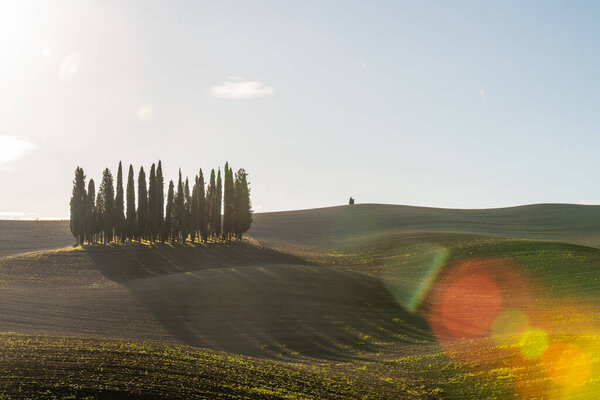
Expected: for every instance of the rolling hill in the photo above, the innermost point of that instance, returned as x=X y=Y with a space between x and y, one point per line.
x=570 y=223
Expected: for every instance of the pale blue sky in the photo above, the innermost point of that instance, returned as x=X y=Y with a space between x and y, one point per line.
x=449 y=103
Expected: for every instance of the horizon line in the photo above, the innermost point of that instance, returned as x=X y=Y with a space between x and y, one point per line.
x=65 y=218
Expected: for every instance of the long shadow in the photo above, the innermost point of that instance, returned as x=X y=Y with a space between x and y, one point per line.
x=270 y=304
x=123 y=263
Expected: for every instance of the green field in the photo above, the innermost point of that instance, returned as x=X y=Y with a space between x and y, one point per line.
x=369 y=301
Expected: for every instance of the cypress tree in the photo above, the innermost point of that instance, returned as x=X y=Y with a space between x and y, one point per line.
x=168 y=232
x=242 y=205
x=131 y=214
x=107 y=191
x=202 y=210
x=195 y=216
x=152 y=205
x=119 y=211
x=160 y=199
x=90 y=212
x=217 y=205
x=100 y=215
x=179 y=209
x=142 y=211
x=228 y=203
x=212 y=197
x=227 y=190
x=187 y=225
x=77 y=220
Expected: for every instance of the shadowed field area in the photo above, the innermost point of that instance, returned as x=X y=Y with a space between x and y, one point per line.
x=269 y=304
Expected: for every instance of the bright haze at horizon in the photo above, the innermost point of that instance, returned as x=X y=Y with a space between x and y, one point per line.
x=446 y=104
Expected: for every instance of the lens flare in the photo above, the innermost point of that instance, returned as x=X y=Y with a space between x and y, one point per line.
x=566 y=364
x=468 y=298
x=509 y=326
x=489 y=315
x=533 y=343
x=470 y=306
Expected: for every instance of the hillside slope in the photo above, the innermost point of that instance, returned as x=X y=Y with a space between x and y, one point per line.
x=22 y=236
x=578 y=224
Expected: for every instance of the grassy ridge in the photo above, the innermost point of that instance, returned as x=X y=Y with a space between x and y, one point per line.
x=564 y=269
x=325 y=227
x=406 y=263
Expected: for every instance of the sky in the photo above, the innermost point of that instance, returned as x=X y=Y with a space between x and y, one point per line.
x=459 y=104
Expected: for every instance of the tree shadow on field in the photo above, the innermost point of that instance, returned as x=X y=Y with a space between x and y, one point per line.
x=122 y=263
x=270 y=304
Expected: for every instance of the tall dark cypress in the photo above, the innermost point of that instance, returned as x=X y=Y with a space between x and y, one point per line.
x=168 y=233
x=77 y=220
x=195 y=216
x=90 y=212
x=142 y=211
x=211 y=198
x=228 y=203
x=187 y=216
x=131 y=214
x=242 y=216
x=100 y=216
x=152 y=205
x=107 y=191
x=218 y=204
x=179 y=209
x=160 y=198
x=202 y=211
x=119 y=206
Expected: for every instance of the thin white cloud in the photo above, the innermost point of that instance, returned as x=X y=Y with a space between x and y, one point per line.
x=482 y=93
x=363 y=65
x=13 y=147
x=237 y=88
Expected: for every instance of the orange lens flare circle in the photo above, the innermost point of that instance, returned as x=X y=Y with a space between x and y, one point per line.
x=470 y=306
x=467 y=299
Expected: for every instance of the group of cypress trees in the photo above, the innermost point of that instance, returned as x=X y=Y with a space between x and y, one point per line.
x=113 y=216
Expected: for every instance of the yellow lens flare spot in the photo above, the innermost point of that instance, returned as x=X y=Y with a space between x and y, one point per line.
x=587 y=391
x=566 y=364
x=509 y=326
x=533 y=343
